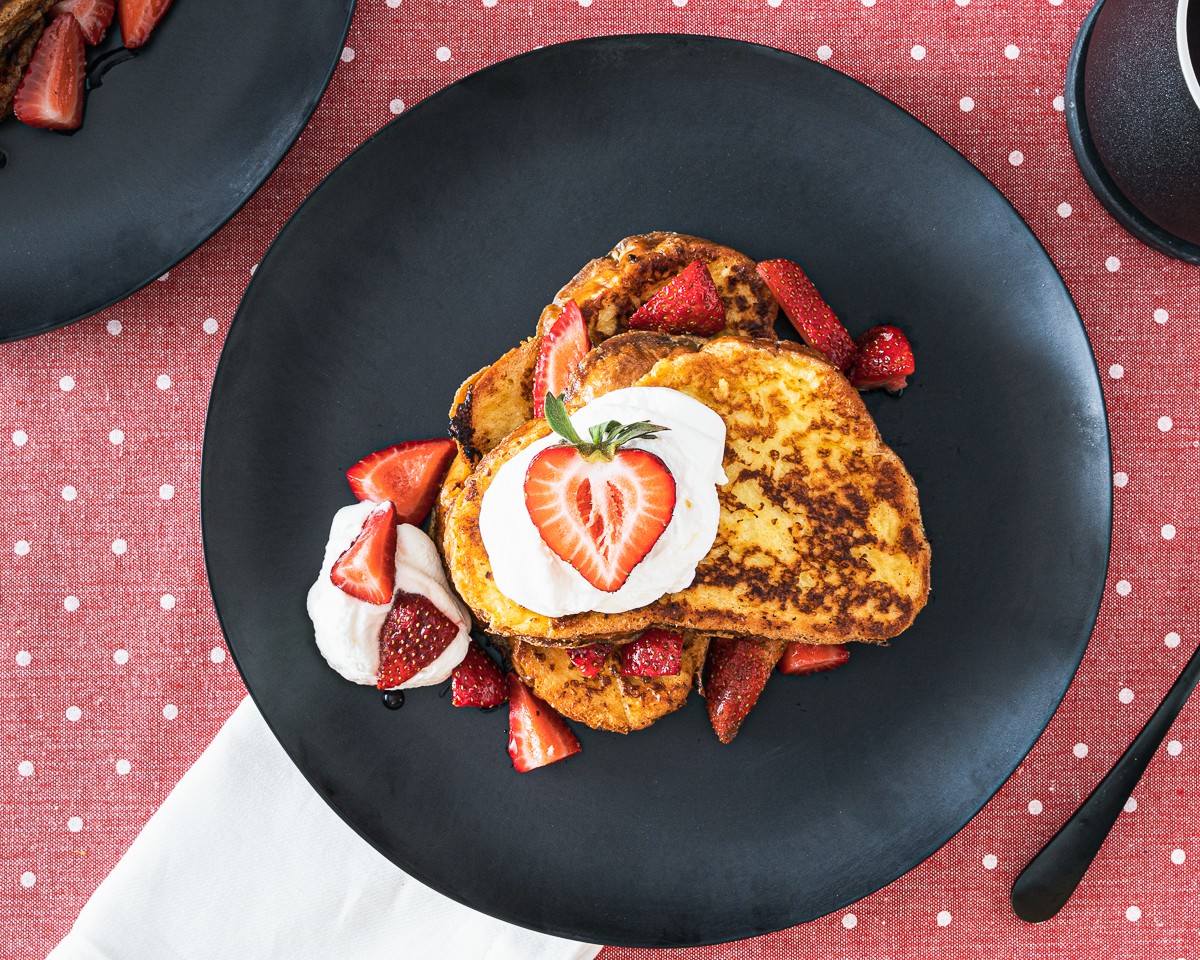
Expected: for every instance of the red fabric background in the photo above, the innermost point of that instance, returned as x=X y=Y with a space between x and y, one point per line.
x=152 y=686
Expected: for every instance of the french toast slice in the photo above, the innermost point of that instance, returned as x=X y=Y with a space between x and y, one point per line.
x=820 y=537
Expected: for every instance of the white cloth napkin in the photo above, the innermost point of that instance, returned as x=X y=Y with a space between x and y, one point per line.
x=243 y=860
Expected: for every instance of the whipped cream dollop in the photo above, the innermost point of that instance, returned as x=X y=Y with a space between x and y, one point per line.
x=347 y=628
x=527 y=571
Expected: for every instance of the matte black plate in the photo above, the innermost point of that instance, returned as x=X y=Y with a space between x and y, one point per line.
x=432 y=250
x=173 y=142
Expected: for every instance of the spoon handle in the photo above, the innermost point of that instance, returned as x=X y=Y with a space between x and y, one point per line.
x=1050 y=878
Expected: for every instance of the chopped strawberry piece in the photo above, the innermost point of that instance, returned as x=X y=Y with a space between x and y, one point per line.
x=408 y=474
x=812 y=317
x=367 y=568
x=477 y=681
x=812 y=657
x=687 y=304
x=138 y=18
x=737 y=672
x=559 y=352
x=656 y=653
x=94 y=16
x=885 y=359
x=414 y=634
x=590 y=659
x=537 y=735
x=51 y=93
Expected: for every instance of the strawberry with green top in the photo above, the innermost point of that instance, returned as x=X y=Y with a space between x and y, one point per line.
x=597 y=505
x=689 y=303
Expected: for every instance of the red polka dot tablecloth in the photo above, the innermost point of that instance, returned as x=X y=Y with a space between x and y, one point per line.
x=113 y=671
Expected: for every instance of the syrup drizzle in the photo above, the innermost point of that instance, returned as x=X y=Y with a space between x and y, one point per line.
x=393 y=699
x=101 y=64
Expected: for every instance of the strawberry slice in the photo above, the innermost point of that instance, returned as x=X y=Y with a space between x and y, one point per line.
x=559 y=352
x=477 y=681
x=51 y=93
x=414 y=634
x=687 y=304
x=599 y=508
x=812 y=657
x=656 y=653
x=367 y=568
x=737 y=672
x=94 y=16
x=812 y=317
x=885 y=359
x=138 y=18
x=408 y=474
x=536 y=734
x=590 y=659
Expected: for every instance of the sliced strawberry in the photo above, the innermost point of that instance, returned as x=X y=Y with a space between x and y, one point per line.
x=94 y=16
x=885 y=359
x=656 y=653
x=477 y=681
x=367 y=568
x=737 y=672
x=559 y=352
x=687 y=304
x=414 y=634
x=536 y=734
x=408 y=475
x=812 y=317
x=51 y=93
x=590 y=659
x=813 y=657
x=138 y=18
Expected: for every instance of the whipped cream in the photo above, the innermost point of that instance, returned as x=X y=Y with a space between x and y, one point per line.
x=528 y=572
x=347 y=628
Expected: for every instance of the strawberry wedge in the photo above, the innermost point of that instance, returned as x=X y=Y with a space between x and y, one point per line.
x=885 y=360
x=812 y=317
x=367 y=568
x=537 y=735
x=138 y=18
x=477 y=681
x=689 y=303
x=94 y=16
x=656 y=653
x=51 y=94
x=408 y=475
x=414 y=634
x=799 y=658
x=560 y=350
x=589 y=660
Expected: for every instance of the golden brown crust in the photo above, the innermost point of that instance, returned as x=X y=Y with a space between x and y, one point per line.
x=14 y=58
x=492 y=403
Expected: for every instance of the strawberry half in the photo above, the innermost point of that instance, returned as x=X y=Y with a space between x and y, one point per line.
x=367 y=568
x=536 y=734
x=885 y=359
x=94 y=16
x=138 y=18
x=477 y=681
x=656 y=653
x=414 y=634
x=812 y=657
x=737 y=672
x=408 y=474
x=559 y=352
x=589 y=660
x=51 y=93
x=812 y=317
x=599 y=508
x=687 y=304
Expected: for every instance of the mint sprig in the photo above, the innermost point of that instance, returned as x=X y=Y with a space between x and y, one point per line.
x=605 y=437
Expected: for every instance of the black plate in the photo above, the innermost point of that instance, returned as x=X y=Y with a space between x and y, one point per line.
x=433 y=248
x=173 y=142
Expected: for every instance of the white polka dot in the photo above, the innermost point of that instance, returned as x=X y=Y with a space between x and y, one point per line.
x=868 y=3
x=24 y=658
x=210 y=325
x=73 y=714
x=1124 y=588
x=75 y=824
x=347 y=54
x=1112 y=264
x=25 y=768
x=989 y=861
x=1059 y=104
x=1171 y=640
x=849 y=921
x=395 y=3
x=120 y=657
x=966 y=104
x=70 y=604
x=1116 y=371
x=165 y=277
x=1161 y=315
x=28 y=879
x=163 y=382
x=166 y=492
x=1056 y=3
x=680 y=3
x=917 y=52
x=443 y=54
x=1174 y=748
x=67 y=384
x=69 y=493
x=20 y=438
x=1012 y=51
x=1126 y=695
x=1133 y=914
x=217 y=655
x=116 y=436
x=1035 y=807
x=1016 y=158
x=1130 y=805
x=170 y=711
x=396 y=106
x=114 y=327
x=1165 y=424
x=824 y=52
x=253 y=268
x=1168 y=531
x=167 y=602
x=962 y=3
x=944 y=918
x=1120 y=479
x=119 y=547
x=21 y=548
x=1080 y=750
x=770 y=3
x=1178 y=856
x=123 y=767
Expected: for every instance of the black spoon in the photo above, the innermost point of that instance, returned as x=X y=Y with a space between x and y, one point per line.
x=1050 y=878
